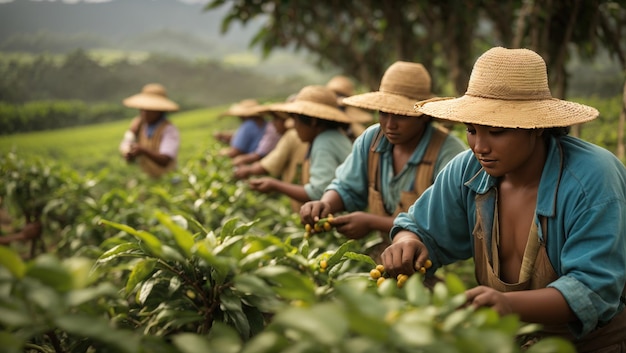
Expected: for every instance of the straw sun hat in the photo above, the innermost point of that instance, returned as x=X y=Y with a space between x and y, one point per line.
x=509 y=88
x=153 y=96
x=244 y=108
x=315 y=101
x=402 y=84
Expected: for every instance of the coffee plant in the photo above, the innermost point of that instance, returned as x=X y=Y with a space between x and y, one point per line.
x=200 y=263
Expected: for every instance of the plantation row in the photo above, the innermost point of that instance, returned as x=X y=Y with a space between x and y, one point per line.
x=199 y=263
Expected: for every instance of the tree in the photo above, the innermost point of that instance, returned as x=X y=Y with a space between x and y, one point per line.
x=363 y=38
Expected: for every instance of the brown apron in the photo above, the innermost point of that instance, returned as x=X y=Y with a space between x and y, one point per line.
x=536 y=272
x=153 y=143
x=423 y=179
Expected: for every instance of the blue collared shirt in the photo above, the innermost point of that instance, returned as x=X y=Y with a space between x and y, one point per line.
x=351 y=178
x=586 y=223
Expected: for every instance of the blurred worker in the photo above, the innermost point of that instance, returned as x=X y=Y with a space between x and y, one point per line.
x=248 y=135
x=151 y=140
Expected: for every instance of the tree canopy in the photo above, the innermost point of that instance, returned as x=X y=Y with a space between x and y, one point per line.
x=363 y=38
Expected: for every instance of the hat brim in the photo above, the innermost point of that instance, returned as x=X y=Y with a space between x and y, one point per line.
x=316 y=110
x=384 y=102
x=150 y=102
x=358 y=115
x=523 y=114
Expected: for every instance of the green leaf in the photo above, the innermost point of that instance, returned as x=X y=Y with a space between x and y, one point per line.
x=336 y=257
x=183 y=238
x=81 y=296
x=12 y=261
x=10 y=343
x=228 y=227
x=191 y=343
x=140 y=271
x=324 y=323
x=51 y=272
x=231 y=306
x=255 y=259
x=266 y=342
x=224 y=339
x=94 y=327
x=454 y=284
x=360 y=257
x=288 y=283
x=113 y=253
x=416 y=292
x=14 y=318
x=152 y=242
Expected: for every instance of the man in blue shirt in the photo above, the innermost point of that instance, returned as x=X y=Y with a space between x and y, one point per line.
x=248 y=135
x=391 y=163
x=541 y=213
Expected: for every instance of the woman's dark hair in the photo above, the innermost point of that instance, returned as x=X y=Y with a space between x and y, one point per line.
x=328 y=124
x=556 y=131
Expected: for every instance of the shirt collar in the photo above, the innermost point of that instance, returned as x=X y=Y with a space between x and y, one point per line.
x=481 y=182
x=385 y=146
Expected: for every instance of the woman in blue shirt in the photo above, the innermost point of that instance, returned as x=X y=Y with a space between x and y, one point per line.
x=541 y=213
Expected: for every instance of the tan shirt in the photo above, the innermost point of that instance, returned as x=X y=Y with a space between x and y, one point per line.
x=284 y=159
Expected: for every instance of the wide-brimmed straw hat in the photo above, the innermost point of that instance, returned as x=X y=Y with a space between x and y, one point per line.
x=153 y=96
x=343 y=87
x=244 y=108
x=402 y=83
x=509 y=88
x=315 y=101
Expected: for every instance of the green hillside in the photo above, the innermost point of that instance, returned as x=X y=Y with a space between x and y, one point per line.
x=94 y=147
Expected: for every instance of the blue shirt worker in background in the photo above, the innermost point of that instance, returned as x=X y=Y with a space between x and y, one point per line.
x=319 y=122
x=248 y=135
x=391 y=163
x=541 y=213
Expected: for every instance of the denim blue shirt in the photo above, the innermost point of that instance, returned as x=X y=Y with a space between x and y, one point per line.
x=351 y=178
x=247 y=137
x=327 y=152
x=586 y=223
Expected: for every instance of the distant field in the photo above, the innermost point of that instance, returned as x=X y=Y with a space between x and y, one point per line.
x=90 y=148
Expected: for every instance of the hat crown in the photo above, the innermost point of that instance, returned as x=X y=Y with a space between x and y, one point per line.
x=156 y=89
x=341 y=85
x=317 y=94
x=511 y=74
x=407 y=79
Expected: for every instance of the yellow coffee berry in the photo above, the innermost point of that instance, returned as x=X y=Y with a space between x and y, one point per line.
x=380 y=268
x=428 y=263
x=422 y=270
x=327 y=226
x=380 y=281
x=307 y=228
x=375 y=274
x=318 y=228
x=323 y=264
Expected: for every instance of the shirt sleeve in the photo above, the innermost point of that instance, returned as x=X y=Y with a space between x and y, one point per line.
x=268 y=141
x=329 y=150
x=351 y=177
x=441 y=217
x=170 y=142
x=243 y=137
x=277 y=160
